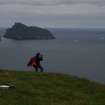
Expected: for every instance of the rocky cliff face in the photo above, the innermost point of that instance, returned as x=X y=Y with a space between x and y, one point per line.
x=20 y=31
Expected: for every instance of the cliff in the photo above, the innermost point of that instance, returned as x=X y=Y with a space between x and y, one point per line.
x=20 y=31
x=31 y=88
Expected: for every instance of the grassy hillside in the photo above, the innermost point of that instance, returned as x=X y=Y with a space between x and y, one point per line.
x=49 y=89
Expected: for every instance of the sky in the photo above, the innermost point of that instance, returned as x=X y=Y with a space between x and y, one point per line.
x=53 y=13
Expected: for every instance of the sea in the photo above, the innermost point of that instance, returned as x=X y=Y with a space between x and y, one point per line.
x=78 y=52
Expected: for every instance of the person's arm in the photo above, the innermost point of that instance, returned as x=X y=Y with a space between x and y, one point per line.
x=41 y=57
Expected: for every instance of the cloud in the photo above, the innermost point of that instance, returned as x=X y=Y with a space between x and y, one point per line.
x=82 y=7
x=79 y=9
x=51 y=2
x=53 y=12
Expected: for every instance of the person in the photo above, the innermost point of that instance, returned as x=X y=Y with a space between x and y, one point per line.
x=35 y=62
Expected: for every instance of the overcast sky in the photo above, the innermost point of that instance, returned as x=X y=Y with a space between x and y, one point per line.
x=53 y=13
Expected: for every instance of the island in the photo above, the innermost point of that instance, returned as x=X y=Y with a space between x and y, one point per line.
x=21 y=31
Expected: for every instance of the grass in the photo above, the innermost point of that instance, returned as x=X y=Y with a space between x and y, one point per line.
x=49 y=89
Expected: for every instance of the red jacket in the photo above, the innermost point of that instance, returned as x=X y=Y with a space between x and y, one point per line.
x=32 y=62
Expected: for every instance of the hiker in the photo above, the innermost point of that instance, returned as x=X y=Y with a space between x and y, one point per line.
x=35 y=62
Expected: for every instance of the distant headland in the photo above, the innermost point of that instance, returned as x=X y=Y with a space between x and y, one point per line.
x=20 y=31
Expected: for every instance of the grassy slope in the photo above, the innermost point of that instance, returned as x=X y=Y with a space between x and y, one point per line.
x=49 y=89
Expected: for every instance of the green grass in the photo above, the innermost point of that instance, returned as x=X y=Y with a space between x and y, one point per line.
x=49 y=89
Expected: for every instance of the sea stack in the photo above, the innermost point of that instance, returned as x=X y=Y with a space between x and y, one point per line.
x=20 y=31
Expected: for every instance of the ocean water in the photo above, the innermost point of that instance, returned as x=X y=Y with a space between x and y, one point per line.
x=75 y=51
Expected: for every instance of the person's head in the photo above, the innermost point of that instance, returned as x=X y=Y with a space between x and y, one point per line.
x=37 y=54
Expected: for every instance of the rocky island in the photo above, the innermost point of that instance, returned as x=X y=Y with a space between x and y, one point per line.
x=20 y=31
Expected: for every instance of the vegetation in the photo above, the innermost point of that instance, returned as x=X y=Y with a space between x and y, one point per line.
x=49 y=89
x=20 y=31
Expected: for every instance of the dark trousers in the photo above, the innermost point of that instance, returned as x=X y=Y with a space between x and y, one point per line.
x=38 y=67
